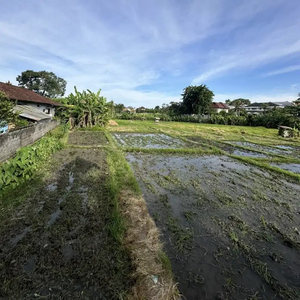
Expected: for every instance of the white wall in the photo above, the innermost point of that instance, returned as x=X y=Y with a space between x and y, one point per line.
x=220 y=109
x=43 y=108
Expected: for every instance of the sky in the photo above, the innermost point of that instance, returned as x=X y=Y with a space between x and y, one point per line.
x=144 y=53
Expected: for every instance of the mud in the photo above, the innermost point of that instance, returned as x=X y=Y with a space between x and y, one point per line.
x=276 y=149
x=87 y=138
x=57 y=243
x=231 y=149
x=295 y=168
x=147 y=140
x=231 y=230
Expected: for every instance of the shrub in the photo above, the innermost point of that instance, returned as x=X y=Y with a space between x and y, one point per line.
x=27 y=160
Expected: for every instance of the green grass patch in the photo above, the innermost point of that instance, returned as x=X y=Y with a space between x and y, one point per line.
x=200 y=151
x=265 y=165
x=121 y=178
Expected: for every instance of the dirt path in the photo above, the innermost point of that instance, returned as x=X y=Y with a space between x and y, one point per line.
x=57 y=244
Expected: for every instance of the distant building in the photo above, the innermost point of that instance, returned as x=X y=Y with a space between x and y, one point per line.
x=29 y=104
x=218 y=107
x=128 y=110
x=260 y=108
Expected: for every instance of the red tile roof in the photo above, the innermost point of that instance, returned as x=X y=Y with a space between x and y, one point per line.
x=22 y=94
x=219 y=105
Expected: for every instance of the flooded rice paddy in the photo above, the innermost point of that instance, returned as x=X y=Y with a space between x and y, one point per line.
x=231 y=230
x=276 y=149
x=295 y=168
x=147 y=140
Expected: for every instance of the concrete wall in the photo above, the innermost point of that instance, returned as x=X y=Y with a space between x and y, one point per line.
x=10 y=142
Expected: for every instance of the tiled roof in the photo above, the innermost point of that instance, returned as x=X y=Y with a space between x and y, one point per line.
x=22 y=94
x=219 y=105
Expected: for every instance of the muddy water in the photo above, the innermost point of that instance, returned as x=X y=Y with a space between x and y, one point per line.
x=276 y=149
x=147 y=140
x=289 y=167
x=230 y=230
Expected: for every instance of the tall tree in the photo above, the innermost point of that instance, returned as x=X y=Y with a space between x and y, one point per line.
x=44 y=83
x=119 y=107
x=196 y=99
x=238 y=106
x=240 y=101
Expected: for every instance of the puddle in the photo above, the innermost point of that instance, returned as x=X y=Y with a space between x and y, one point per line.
x=147 y=140
x=20 y=236
x=202 y=206
x=295 y=168
x=29 y=266
x=52 y=187
x=258 y=147
x=248 y=153
x=285 y=147
x=53 y=217
x=71 y=180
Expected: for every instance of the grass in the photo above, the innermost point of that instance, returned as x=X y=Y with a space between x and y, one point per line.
x=259 y=135
x=265 y=165
x=132 y=225
x=199 y=151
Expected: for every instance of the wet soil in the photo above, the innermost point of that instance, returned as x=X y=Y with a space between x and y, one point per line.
x=147 y=140
x=57 y=243
x=277 y=149
x=231 y=149
x=231 y=230
x=87 y=138
x=295 y=168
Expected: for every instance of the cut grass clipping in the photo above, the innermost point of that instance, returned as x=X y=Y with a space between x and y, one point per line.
x=133 y=224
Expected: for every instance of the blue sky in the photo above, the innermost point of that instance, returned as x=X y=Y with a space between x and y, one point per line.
x=145 y=52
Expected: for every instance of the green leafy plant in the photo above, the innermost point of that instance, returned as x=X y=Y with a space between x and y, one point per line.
x=28 y=159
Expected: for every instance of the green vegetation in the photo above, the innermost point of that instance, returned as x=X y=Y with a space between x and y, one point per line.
x=85 y=109
x=121 y=178
x=28 y=159
x=44 y=83
x=7 y=115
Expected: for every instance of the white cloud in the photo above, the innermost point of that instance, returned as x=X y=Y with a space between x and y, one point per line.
x=283 y=70
x=122 y=46
x=279 y=97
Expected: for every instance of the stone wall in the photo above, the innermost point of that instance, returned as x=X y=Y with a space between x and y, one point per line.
x=10 y=142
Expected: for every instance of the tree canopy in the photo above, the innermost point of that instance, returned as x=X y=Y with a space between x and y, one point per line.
x=42 y=82
x=239 y=101
x=196 y=99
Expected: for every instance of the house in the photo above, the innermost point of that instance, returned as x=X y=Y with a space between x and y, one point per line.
x=260 y=108
x=128 y=110
x=29 y=104
x=218 y=107
x=141 y=109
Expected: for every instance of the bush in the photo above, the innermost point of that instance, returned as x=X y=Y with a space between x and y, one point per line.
x=27 y=160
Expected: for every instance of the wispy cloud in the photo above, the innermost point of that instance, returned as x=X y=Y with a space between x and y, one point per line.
x=133 y=50
x=283 y=70
x=258 y=97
